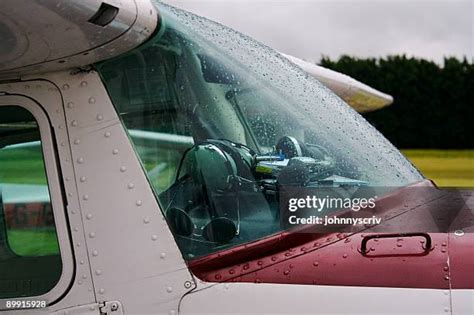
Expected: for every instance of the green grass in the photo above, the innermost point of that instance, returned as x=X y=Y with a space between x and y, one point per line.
x=447 y=168
x=33 y=242
x=22 y=166
x=25 y=166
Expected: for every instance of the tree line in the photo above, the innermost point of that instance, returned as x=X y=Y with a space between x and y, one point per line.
x=434 y=104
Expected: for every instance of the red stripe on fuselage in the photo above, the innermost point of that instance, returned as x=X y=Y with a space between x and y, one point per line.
x=336 y=259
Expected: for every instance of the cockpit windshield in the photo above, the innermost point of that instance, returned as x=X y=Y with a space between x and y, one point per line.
x=221 y=123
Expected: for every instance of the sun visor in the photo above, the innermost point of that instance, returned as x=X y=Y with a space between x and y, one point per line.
x=48 y=35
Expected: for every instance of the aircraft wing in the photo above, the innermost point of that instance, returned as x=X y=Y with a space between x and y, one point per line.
x=164 y=139
x=360 y=96
x=63 y=34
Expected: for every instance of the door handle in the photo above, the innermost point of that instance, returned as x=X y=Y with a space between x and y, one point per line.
x=366 y=239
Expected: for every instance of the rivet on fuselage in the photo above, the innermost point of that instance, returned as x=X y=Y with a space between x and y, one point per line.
x=146 y=220
x=131 y=186
x=123 y=169
x=77 y=141
x=70 y=105
x=169 y=289
x=84 y=83
x=163 y=255
x=91 y=100
x=82 y=179
x=89 y=216
x=65 y=87
x=74 y=123
x=115 y=151
x=98 y=272
x=107 y=134
x=100 y=117
x=139 y=203
x=95 y=253
x=91 y=234
x=154 y=237
x=80 y=160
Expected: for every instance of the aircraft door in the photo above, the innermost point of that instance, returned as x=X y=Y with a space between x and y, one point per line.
x=36 y=260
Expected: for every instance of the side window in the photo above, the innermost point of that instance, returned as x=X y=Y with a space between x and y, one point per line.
x=30 y=262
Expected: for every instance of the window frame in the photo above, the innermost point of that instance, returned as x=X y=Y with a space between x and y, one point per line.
x=55 y=189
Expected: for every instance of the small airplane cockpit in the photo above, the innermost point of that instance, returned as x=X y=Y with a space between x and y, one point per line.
x=220 y=139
